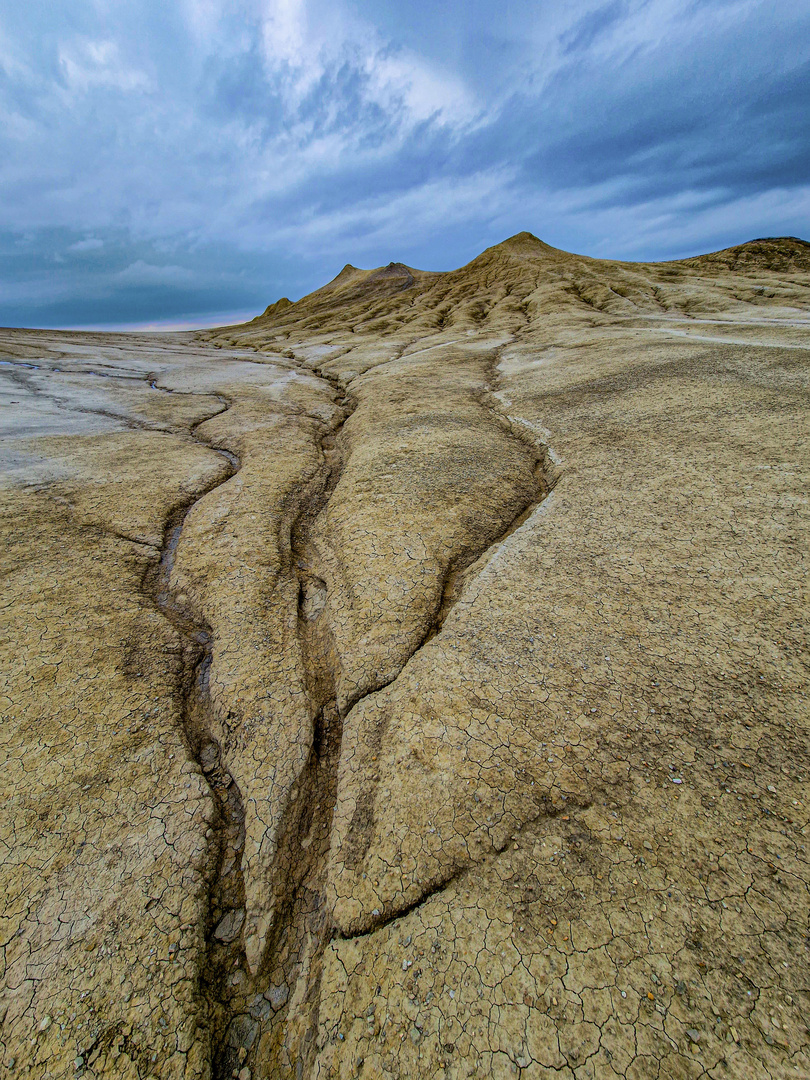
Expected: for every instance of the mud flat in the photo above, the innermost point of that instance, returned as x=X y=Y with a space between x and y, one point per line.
x=413 y=682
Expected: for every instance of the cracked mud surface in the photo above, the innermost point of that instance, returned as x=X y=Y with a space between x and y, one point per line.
x=413 y=682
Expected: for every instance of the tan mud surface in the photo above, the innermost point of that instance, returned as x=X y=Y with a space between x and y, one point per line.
x=413 y=682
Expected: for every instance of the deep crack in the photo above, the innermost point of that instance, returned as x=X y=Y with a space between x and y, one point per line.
x=226 y=898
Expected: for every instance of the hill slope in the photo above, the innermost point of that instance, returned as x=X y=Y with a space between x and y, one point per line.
x=521 y=280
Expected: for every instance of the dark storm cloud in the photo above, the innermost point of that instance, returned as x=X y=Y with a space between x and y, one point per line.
x=120 y=280
x=162 y=160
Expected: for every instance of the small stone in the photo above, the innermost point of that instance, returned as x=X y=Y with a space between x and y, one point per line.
x=244 y=1074
x=209 y=757
x=416 y=1035
x=230 y=926
x=278 y=995
x=45 y=1023
x=772 y=789
x=242 y=1032
x=260 y=1008
x=693 y=1035
x=78 y=1062
x=647 y=845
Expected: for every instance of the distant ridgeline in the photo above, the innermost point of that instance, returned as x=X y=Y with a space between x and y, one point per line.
x=510 y=285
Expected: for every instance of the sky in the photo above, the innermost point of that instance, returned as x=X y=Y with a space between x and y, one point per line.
x=187 y=162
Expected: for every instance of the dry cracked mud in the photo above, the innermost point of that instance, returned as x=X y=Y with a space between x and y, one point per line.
x=412 y=682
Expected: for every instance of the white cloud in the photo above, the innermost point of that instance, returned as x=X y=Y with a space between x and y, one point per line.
x=684 y=223
x=144 y=273
x=12 y=63
x=286 y=39
x=688 y=223
x=202 y=19
x=92 y=243
x=404 y=219
x=304 y=41
x=87 y=63
x=424 y=91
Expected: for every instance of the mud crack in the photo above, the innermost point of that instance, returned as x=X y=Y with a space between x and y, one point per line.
x=226 y=898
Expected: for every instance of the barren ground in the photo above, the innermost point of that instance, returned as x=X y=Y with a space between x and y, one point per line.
x=413 y=682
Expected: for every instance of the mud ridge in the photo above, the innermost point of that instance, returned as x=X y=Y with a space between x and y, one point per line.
x=548 y=811
x=547 y=474
x=299 y=915
x=302 y=927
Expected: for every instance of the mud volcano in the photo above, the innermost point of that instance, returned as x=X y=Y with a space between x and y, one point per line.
x=412 y=682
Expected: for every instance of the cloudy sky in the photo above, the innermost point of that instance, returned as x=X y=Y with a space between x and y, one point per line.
x=193 y=160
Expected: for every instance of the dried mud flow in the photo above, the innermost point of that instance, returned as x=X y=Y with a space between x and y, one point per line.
x=412 y=682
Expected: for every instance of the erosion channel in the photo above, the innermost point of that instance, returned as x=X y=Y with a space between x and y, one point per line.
x=264 y=1014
